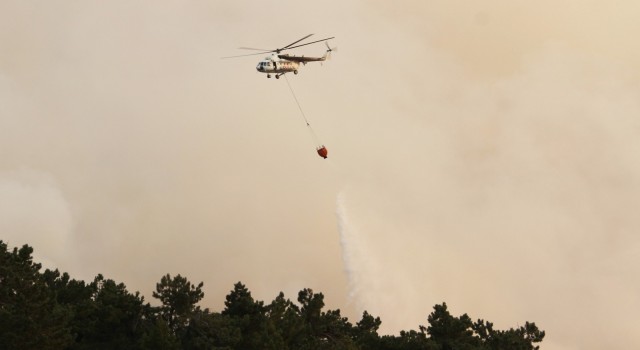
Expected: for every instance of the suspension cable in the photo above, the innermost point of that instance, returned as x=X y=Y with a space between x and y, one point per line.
x=296 y=99
x=320 y=148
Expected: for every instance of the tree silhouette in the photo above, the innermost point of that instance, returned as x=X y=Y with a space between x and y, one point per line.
x=179 y=298
x=49 y=310
x=30 y=318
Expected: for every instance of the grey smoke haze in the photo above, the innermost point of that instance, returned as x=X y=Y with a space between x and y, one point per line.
x=482 y=154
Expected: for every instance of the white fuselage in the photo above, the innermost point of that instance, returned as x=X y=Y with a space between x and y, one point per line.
x=270 y=66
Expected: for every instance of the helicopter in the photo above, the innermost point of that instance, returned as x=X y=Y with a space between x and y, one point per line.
x=280 y=64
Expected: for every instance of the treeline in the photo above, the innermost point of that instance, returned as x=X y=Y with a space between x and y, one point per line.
x=49 y=310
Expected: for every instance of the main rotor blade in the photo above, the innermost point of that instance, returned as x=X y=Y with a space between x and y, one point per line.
x=313 y=42
x=263 y=51
x=295 y=42
x=251 y=54
x=251 y=48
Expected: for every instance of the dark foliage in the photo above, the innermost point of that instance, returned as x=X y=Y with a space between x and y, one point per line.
x=49 y=310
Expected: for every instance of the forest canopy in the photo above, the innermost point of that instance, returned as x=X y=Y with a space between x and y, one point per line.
x=50 y=310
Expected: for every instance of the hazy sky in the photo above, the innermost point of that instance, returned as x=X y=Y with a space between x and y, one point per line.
x=482 y=153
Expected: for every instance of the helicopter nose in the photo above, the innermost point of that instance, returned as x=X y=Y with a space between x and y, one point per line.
x=259 y=68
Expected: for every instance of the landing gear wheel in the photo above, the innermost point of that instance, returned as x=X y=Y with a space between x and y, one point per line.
x=268 y=75
x=295 y=72
x=277 y=77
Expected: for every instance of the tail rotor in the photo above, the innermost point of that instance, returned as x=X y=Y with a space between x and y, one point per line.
x=329 y=50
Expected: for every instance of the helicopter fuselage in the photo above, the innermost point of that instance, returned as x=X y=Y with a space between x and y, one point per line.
x=277 y=66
